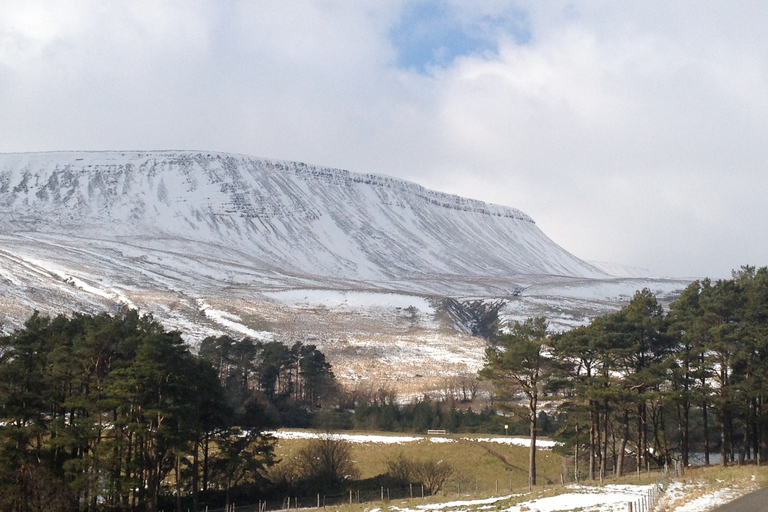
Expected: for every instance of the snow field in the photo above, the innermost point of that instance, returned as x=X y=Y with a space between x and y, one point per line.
x=609 y=498
x=696 y=497
x=399 y=439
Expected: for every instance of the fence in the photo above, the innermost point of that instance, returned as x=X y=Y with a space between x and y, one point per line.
x=460 y=485
x=326 y=500
x=647 y=501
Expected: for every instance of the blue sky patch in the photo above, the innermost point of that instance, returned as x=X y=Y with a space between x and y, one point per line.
x=431 y=33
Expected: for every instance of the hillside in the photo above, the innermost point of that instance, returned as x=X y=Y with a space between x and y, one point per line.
x=391 y=279
x=282 y=217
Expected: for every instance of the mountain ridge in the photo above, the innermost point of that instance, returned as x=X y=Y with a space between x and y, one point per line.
x=352 y=225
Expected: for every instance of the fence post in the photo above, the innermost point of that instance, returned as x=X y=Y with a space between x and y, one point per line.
x=318 y=500
x=497 y=487
x=629 y=506
x=411 y=489
x=350 y=496
x=382 y=493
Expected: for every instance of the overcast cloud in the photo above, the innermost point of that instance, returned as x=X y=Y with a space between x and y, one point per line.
x=632 y=132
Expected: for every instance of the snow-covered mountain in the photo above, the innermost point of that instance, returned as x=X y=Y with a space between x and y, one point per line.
x=389 y=278
x=284 y=217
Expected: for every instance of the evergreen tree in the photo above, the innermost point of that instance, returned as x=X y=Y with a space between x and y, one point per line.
x=518 y=363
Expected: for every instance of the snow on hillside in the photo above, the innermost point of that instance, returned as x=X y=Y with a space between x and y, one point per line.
x=282 y=216
x=356 y=264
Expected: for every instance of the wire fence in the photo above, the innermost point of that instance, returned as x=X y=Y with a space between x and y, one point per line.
x=322 y=500
x=464 y=486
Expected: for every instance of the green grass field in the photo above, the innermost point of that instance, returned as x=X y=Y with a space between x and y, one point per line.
x=480 y=466
x=484 y=468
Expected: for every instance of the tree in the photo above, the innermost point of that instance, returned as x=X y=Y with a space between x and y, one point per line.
x=243 y=454
x=326 y=462
x=519 y=363
x=432 y=474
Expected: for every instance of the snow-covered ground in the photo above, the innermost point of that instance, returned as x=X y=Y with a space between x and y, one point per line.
x=400 y=439
x=608 y=498
x=696 y=497
x=375 y=336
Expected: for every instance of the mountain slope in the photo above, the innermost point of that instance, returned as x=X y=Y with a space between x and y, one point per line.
x=279 y=216
x=389 y=279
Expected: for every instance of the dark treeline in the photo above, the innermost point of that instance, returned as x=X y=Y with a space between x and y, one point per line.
x=291 y=382
x=662 y=385
x=115 y=413
x=382 y=413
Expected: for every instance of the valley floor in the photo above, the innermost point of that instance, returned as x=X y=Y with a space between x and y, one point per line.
x=700 y=489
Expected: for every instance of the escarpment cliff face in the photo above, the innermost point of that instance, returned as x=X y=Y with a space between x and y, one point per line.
x=284 y=216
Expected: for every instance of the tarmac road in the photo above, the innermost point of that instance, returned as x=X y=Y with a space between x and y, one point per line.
x=753 y=502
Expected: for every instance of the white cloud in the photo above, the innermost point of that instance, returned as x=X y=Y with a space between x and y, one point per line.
x=630 y=132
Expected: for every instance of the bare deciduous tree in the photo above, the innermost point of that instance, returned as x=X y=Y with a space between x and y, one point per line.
x=326 y=461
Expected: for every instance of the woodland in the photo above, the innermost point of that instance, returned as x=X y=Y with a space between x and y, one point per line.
x=647 y=388
x=101 y=412
x=113 y=412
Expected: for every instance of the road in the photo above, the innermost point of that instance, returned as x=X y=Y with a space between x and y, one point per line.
x=752 y=502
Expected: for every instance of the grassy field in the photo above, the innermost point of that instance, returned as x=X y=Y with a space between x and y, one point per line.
x=480 y=465
x=484 y=468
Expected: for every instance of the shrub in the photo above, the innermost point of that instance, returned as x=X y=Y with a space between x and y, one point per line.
x=430 y=473
x=326 y=462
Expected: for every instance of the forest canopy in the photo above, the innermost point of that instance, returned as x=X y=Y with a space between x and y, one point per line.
x=101 y=412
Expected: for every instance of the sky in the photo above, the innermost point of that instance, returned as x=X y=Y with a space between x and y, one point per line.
x=632 y=132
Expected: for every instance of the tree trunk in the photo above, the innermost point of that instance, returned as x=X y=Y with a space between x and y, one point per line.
x=576 y=454
x=723 y=437
x=592 y=435
x=639 y=457
x=604 y=448
x=178 y=482
x=196 y=476
x=532 y=453
x=686 y=432
x=706 y=431
x=623 y=449
x=206 y=446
